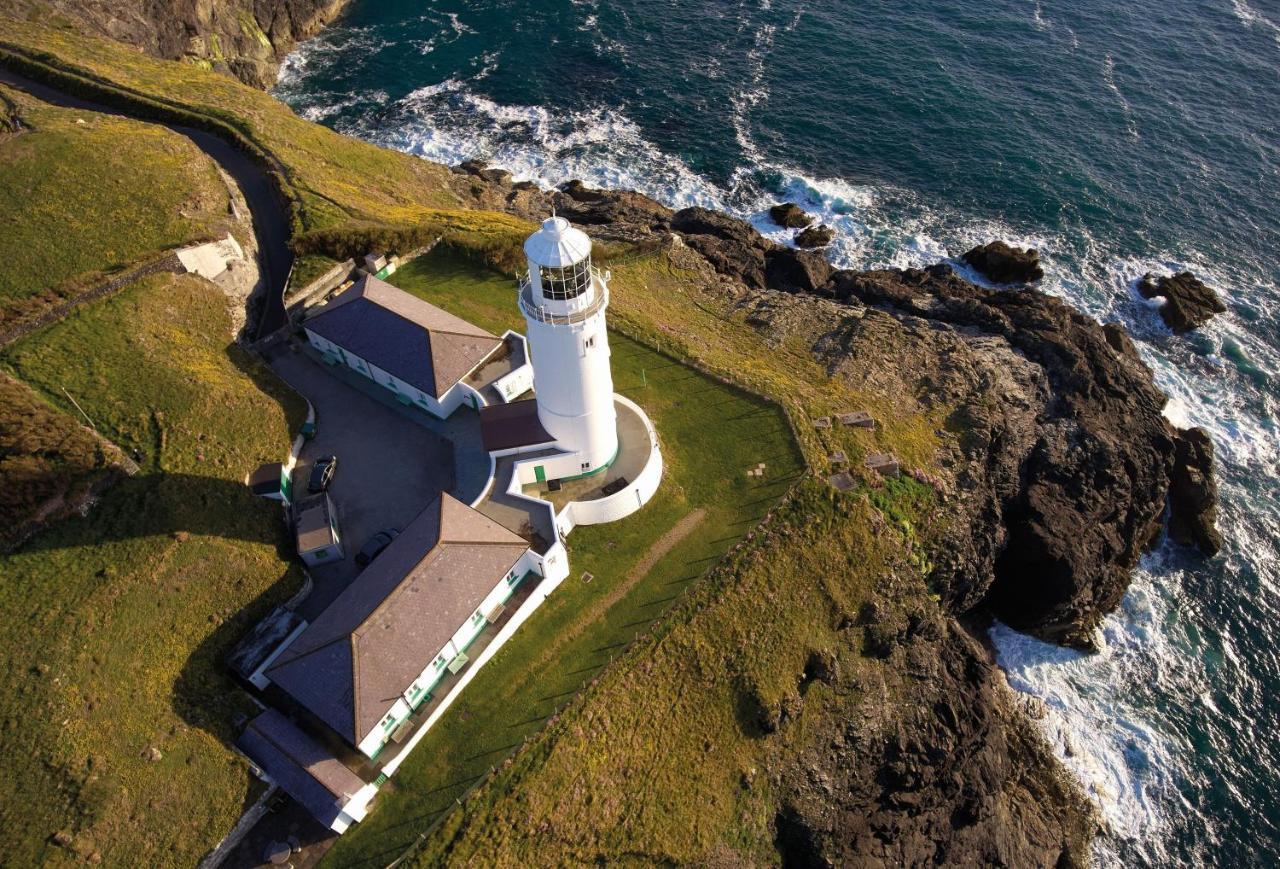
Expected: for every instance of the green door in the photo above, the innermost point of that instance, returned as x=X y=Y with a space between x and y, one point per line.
x=540 y=473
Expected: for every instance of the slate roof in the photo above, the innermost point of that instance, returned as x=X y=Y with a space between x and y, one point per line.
x=506 y=426
x=313 y=527
x=300 y=765
x=353 y=662
x=426 y=347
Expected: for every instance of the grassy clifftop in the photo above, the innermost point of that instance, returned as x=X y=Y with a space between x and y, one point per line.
x=117 y=725
x=90 y=194
x=333 y=181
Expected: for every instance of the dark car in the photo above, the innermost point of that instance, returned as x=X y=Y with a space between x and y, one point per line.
x=373 y=548
x=322 y=473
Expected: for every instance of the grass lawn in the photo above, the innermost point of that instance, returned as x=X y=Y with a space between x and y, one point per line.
x=123 y=190
x=337 y=177
x=48 y=460
x=711 y=434
x=663 y=761
x=117 y=621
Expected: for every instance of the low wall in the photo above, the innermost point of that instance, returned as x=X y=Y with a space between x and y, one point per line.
x=320 y=285
x=628 y=500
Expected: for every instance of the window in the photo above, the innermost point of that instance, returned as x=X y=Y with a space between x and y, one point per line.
x=389 y=722
x=511 y=578
x=586 y=466
x=590 y=342
x=565 y=283
x=477 y=618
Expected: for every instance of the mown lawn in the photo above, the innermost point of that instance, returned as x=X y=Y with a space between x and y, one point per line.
x=117 y=621
x=711 y=435
x=85 y=194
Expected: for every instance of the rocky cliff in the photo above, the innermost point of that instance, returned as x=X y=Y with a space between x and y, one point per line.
x=1061 y=467
x=245 y=38
x=1057 y=475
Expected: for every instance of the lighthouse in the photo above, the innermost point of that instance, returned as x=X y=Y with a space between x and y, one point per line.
x=563 y=299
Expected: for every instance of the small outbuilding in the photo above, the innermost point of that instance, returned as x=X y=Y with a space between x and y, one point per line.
x=316 y=527
x=306 y=771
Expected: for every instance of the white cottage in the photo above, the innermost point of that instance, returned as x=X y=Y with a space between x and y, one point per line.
x=383 y=647
x=425 y=356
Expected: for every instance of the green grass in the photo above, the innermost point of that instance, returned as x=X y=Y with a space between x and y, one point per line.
x=337 y=178
x=711 y=434
x=662 y=760
x=444 y=277
x=48 y=461
x=89 y=194
x=117 y=622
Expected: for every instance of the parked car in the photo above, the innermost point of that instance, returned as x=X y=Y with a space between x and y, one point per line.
x=322 y=473
x=373 y=548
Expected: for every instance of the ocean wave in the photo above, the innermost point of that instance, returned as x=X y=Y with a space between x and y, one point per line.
x=1096 y=720
x=1251 y=17
x=1106 y=716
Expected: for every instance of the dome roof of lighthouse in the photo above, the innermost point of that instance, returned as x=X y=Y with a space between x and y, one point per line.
x=557 y=244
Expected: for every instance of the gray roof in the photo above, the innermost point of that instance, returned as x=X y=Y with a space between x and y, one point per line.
x=506 y=426
x=355 y=660
x=419 y=343
x=314 y=530
x=300 y=765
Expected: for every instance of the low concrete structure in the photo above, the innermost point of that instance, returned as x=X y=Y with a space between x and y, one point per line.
x=211 y=259
x=316 y=529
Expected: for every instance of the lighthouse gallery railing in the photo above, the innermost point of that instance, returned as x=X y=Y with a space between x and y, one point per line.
x=541 y=314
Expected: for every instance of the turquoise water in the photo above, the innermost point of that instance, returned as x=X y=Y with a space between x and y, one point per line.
x=1117 y=138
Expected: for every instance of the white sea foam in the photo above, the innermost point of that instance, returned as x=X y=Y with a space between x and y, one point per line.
x=1251 y=17
x=1101 y=717
x=1096 y=718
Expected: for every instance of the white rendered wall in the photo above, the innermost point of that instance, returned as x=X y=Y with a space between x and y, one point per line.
x=556 y=560
x=442 y=407
x=625 y=502
x=574 y=387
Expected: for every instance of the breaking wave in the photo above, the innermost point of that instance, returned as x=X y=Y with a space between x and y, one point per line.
x=1133 y=722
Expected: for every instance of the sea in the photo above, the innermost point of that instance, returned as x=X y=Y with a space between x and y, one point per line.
x=1117 y=138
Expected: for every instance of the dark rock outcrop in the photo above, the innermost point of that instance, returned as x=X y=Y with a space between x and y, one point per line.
x=796 y=271
x=1004 y=264
x=790 y=215
x=815 y=236
x=619 y=209
x=1193 y=495
x=245 y=38
x=962 y=780
x=1066 y=456
x=1189 y=303
x=733 y=247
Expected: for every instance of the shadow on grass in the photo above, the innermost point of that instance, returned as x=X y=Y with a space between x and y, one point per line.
x=176 y=505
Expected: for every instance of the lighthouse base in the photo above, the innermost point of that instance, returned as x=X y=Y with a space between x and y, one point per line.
x=614 y=492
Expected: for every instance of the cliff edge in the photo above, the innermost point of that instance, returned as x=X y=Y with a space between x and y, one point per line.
x=244 y=38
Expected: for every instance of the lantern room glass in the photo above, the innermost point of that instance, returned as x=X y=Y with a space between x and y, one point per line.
x=565 y=283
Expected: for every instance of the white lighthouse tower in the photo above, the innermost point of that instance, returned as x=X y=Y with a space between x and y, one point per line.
x=563 y=300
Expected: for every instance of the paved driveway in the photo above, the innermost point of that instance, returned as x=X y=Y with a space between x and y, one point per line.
x=390 y=467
